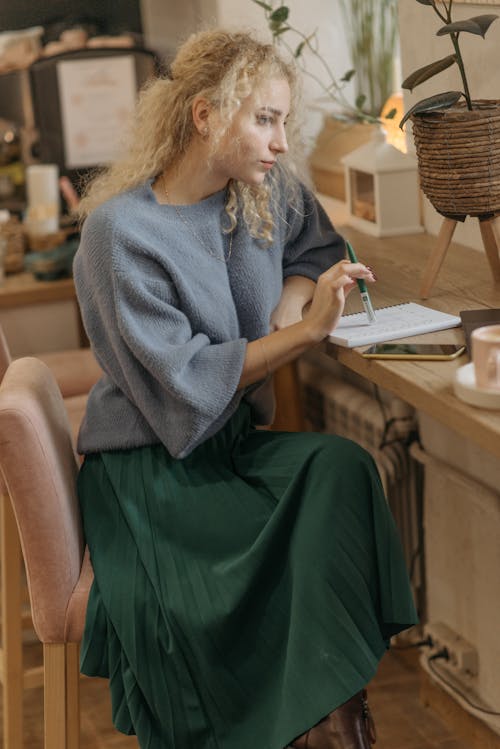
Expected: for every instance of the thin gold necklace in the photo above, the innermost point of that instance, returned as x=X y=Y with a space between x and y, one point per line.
x=191 y=229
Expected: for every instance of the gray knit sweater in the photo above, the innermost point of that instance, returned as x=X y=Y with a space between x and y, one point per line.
x=169 y=320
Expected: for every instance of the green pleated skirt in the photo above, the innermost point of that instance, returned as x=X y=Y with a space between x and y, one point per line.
x=240 y=593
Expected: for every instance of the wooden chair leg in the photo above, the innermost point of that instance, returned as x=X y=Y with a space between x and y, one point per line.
x=12 y=671
x=496 y=230
x=435 y=260
x=61 y=702
x=491 y=246
x=289 y=412
x=73 y=695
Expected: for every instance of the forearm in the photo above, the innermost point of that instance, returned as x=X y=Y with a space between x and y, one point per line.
x=299 y=287
x=297 y=293
x=267 y=354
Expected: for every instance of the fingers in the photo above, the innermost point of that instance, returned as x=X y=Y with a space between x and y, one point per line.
x=346 y=274
x=330 y=293
x=357 y=270
x=353 y=270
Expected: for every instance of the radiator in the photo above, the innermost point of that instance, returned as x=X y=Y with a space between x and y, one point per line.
x=385 y=429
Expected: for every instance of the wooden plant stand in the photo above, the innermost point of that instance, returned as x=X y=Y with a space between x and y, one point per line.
x=491 y=242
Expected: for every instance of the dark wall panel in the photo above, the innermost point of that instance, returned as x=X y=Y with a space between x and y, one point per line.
x=107 y=16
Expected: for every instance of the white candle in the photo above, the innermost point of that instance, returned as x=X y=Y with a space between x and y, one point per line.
x=42 y=189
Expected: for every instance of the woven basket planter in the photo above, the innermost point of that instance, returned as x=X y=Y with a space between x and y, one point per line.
x=458 y=153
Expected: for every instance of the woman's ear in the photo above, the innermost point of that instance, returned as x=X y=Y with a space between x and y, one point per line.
x=201 y=112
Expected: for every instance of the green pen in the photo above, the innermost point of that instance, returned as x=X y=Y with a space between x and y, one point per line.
x=365 y=297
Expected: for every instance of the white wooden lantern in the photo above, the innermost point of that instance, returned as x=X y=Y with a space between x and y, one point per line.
x=382 y=189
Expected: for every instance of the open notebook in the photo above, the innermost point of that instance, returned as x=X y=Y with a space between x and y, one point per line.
x=396 y=321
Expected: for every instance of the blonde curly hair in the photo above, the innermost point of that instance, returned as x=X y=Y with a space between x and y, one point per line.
x=224 y=67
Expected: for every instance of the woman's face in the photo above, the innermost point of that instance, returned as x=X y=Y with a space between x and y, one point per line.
x=257 y=135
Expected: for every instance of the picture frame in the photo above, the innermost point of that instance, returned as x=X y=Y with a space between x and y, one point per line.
x=96 y=96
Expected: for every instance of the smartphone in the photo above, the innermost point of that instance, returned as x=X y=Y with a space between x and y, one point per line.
x=440 y=351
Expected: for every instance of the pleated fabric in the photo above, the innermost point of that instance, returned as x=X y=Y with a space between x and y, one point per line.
x=240 y=593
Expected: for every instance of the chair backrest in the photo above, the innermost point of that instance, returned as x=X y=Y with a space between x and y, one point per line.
x=40 y=468
x=5 y=360
x=5 y=357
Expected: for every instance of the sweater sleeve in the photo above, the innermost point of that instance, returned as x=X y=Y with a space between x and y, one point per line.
x=312 y=245
x=181 y=382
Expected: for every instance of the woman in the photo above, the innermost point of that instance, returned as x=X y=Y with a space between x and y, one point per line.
x=247 y=582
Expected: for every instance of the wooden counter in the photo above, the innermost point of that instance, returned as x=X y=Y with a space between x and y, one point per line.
x=22 y=289
x=464 y=282
x=40 y=316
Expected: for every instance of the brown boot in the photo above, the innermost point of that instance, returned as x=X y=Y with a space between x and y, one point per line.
x=350 y=726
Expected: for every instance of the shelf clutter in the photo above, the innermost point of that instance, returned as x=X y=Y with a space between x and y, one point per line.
x=12 y=243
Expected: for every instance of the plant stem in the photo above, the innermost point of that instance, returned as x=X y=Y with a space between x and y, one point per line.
x=327 y=89
x=454 y=40
x=447 y=18
x=460 y=63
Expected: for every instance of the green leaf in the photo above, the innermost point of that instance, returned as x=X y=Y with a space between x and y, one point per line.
x=347 y=76
x=438 y=101
x=263 y=5
x=299 y=49
x=422 y=2
x=391 y=114
x=477 y=25
x=281 y=30
x=280 y=14
x=485 y=21
x=360 y=100
x=428 y=71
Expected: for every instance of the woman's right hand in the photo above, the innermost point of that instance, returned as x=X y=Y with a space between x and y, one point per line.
x=265 y=355
x=330 y=294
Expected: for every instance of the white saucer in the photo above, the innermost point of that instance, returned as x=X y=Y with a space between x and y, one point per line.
x=466 y=389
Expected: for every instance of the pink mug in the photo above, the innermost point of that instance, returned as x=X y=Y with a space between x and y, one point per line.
x=486 y=356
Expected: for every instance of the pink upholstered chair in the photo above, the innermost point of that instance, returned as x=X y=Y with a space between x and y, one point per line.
x=39 y=469
x=75 y=371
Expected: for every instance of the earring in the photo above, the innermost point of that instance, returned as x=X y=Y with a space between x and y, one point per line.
x=204 y=132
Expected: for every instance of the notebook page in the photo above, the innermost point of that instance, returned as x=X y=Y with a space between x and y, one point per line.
x=397 y=321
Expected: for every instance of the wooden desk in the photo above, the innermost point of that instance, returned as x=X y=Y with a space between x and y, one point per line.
x=465 y=282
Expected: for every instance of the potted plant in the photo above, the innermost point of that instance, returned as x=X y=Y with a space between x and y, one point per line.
x=371 y=30
x=457 y=138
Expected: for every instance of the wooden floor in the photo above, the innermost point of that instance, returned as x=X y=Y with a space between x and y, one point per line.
x=402 y=722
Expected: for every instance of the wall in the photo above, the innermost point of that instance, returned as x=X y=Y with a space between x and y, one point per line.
x=108 y=16
x=420 y=45
x=166 y=23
